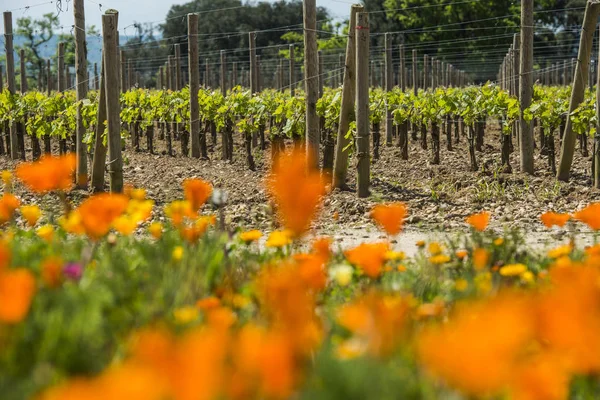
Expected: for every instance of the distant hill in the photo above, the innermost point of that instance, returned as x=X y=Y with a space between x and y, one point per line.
x=48 y=50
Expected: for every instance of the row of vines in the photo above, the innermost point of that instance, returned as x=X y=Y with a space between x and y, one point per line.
x=273 y=116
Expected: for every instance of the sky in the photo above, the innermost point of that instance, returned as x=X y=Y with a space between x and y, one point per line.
x=130 y=11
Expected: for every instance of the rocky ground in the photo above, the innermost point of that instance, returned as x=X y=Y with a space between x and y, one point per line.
x=439 y=197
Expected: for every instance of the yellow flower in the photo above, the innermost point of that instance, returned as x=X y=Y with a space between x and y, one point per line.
x=434 y=248
x=31 y=214
x=439 y=259
x=342 y=274
x=140 y=210
x=72 y=223
x=483 y=282
x=395 y=255
x=138 y=194
x=177 y=253
x=250 y=236
x=461 y=285
x=420 y=244
x=401 y=268
x=125 y=225
x=350 y=349
x=156 y=230
x=185 y=315
x=7 y=177
x=561 y=251
x=499 y=242
x=46 y=232
x=528 y=277
x=513 y=269
x=279 y=239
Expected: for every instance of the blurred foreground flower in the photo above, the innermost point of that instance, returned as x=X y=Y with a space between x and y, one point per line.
x=250 y=236
x=17 y=287
x=48 y=174
x=297 y=190
x=31 y=214
x=369 y=257
x=99 y=212
x=390 y=217
x=8 y=205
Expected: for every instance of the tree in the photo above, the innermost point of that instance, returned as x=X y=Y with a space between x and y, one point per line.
x=36 y=33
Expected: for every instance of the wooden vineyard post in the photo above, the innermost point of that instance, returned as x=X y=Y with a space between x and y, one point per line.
x=577 y=95
x=22 y=125
x=281 y=76
x=170 y=69
x=48 y=77
x=10 y=78
x=81 y=176
x=526 y=86
x=321 y=73
x=253 y=68
x=178 y=80
x=223 y=73
x=597 y=136
x=96 y=77
x=234 y=74
x=362 y=105
x=347 y=112
x=62 y=148
x=292 y=71
x=253 y=89
x=130 y=78
x=1 y=79
x=100 y=149
x=425 y=72
x=389 y=85
x=124 y=85
x=258 y=73
x=23 y=71
x=115 y=169
x=403 y=128
x=415 y=72
x=194 y=72
x=311 y=82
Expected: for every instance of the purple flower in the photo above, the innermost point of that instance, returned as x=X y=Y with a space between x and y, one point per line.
x=73 y=271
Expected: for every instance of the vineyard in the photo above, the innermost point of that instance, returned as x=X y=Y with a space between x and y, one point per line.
x=338 y=213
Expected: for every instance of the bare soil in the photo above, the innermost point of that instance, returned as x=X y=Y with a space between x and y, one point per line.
x=439 y=197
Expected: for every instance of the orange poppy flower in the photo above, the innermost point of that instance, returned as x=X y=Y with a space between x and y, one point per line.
x=390 y=217
x=479 y=221
x=100 y=211
x=481 y=258
x=491 y=334
x=178 y=210
x=590 y=216
x=48 y=174
x=196 y=191
x=322 y=247
x=8 y=205
x=51 y=270
x=297 y=190
x=311 y=268
x=17 y=288
x=369 y=257
x=550 y=219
